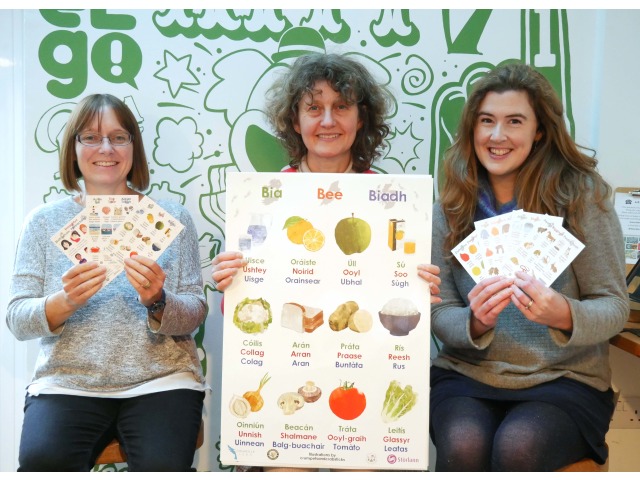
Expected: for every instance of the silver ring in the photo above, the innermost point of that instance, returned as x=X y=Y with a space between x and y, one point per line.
x=215 y=284
x=529 y=305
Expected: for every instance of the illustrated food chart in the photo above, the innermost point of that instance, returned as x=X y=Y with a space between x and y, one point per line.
x=518 y=241
x=111 y=227
x=147 y=231
x=325 y=360
x=105 y=215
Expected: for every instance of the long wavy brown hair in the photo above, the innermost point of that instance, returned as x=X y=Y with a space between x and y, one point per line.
x=355 y=85
x=557 y=178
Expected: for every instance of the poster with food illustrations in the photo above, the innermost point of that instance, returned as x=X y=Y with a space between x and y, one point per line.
x=534 y=243
x=326 y=327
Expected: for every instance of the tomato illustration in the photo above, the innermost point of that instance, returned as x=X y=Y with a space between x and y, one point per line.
x=347 y=402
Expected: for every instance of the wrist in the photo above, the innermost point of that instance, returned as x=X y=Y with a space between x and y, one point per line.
x=158 y=305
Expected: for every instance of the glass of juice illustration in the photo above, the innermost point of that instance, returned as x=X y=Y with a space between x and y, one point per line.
x=396 y=232
x=409 y=246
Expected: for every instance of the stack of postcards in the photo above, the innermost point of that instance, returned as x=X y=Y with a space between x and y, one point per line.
x=533 y=243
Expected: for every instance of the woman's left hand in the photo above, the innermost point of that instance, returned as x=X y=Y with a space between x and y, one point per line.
x=540 y=303
x=146 y=277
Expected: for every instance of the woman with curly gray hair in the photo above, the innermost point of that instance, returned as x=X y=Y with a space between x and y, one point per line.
x=329 y=100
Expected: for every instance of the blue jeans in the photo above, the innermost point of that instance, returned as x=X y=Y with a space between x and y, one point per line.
x=158 y=431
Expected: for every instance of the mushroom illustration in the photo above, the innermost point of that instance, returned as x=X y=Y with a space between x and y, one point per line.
x=289 y=402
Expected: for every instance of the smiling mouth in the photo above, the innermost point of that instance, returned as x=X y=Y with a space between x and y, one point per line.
x=105 y=164
x=499 y=151
x=327 y=136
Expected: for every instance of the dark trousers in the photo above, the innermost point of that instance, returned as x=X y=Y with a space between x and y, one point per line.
x=158 y=431
x=478 y=435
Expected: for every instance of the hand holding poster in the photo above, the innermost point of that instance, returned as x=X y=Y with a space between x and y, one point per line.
x=326 y=328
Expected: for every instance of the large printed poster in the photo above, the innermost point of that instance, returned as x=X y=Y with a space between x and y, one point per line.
x=326 y=328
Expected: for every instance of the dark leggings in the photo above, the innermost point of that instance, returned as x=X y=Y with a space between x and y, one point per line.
x=477 y=435
x=158 y=431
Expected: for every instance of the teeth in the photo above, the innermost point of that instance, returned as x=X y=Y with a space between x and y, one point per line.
x=105 y=164
x=499 y=151
x=335 y=135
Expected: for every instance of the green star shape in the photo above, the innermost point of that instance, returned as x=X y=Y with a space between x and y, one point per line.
x=402 y=146
x=176 y=73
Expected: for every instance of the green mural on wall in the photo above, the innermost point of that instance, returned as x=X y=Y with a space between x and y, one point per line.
x=197 y=79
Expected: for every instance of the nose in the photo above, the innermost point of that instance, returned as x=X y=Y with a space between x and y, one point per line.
x=106 y=146
x=327 y=118
x=497 y=133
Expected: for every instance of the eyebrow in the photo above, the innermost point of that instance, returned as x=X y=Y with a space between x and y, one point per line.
x=511 y=115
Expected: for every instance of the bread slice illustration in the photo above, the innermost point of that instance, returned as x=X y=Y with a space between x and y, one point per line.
x=301 y=318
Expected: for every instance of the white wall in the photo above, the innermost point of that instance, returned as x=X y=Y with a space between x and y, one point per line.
x=617 y=121
x=14 y=366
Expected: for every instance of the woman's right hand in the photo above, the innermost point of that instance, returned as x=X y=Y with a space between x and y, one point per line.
x=79 y=284
x=487 y=299
x=224 y=267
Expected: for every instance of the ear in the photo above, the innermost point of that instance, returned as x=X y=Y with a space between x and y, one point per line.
x=296 y=125
x=538 y=136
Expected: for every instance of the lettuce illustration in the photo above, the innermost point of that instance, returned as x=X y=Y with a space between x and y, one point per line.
x=252 y=315
x=397 y=401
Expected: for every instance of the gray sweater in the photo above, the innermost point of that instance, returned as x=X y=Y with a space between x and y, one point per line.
x=519 y=353
x=111 y=343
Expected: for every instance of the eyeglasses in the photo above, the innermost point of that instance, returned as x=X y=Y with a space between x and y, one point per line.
x=91 y=139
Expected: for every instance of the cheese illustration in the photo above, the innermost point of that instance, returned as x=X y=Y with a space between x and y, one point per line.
x=301 y=318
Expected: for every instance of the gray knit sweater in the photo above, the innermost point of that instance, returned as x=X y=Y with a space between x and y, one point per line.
x=110 y=344
x=519 y=353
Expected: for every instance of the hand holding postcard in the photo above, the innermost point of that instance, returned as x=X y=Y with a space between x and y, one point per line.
x=112 y=227
x=533 y=243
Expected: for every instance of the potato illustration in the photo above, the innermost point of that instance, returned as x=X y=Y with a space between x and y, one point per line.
x=339 y=320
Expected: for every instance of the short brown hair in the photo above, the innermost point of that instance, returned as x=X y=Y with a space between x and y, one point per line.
x=82 y=115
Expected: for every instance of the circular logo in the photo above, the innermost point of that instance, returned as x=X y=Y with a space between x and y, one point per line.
x=272 y=454
x=392 y=459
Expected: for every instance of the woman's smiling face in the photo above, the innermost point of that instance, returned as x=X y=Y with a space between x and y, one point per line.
x=105 y=167
x=505 y=130
x=328 y=125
